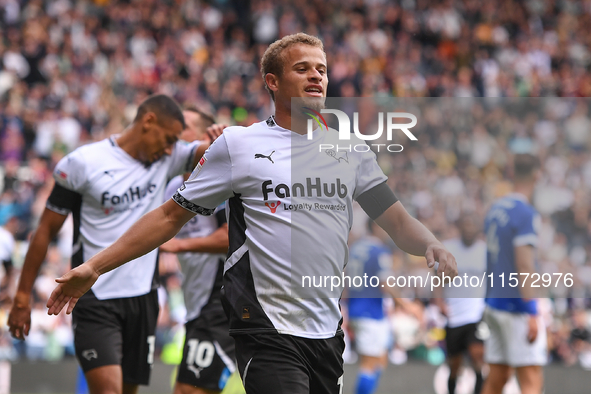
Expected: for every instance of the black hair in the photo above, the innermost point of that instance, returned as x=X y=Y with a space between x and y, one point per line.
x=207 y=117
x=525 y=165
x=165 y=107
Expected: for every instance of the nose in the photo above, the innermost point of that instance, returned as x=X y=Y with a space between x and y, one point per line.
x=315 y=76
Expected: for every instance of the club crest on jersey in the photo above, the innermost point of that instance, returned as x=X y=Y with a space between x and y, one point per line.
x=338 y=156
x=197 y=169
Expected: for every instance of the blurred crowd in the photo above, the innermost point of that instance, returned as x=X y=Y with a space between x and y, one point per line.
x=72 y=72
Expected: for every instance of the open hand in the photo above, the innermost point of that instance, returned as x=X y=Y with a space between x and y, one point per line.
x=19 y=319
x=70 y=288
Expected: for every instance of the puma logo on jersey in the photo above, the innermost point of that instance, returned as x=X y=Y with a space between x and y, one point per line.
x=338 y=156
x=273 y=206
x=89 y=354
x=261 y=156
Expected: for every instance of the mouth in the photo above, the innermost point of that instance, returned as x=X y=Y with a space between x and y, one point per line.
x=154 y=158
x=314 y=90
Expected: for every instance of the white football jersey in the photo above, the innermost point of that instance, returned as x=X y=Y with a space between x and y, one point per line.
x=466 y=304
x=290 y=212
x=6 y=248
x=107 y=191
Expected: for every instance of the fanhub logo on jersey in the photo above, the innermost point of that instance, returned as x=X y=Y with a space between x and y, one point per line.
x=312 y=188
x=345 y=130
x=130 y=195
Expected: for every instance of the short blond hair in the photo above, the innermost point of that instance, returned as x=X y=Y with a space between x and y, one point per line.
x=272 y=61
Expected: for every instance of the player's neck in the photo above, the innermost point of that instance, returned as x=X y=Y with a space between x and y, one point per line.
x=284 y=118
x=128 y=141
x=467 y=242
x=525 y=188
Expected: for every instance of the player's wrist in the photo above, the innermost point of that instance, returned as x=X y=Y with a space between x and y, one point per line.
x=22 y=299
x=96 y=267
x=183 y=246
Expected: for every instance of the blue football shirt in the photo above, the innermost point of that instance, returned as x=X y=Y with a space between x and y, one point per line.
x=371 y=257
x=510 y=222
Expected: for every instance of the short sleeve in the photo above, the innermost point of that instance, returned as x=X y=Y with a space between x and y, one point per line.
x=371 y=190
x=210 y=184
x=182 y=157
x=526 y=229
x=70 y=172
x=369 y=174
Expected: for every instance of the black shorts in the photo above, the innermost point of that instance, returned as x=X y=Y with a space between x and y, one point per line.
x=458 y=339
x=118 y=331
x=284 y=364
x=208 y=356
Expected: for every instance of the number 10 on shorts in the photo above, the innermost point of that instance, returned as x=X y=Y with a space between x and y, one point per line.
x=200 y=353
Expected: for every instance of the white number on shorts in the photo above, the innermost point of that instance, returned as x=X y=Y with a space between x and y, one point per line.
x=151 y=342
x=200 y=353
x=340 y=383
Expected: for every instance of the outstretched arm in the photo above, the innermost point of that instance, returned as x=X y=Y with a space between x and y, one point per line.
x=413 y=237
x=146 y=234
x=216 y=242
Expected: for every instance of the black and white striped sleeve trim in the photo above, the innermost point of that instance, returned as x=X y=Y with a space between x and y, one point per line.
x=189 y=206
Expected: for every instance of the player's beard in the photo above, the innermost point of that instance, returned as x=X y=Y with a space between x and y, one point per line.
x=302 y=105
x=315 y=103
x=301 y=109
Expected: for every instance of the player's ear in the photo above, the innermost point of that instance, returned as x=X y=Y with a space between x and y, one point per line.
x=272 y=82
x=149 y=121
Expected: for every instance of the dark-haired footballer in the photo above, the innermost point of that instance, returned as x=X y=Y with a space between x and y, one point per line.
x=108 y=186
